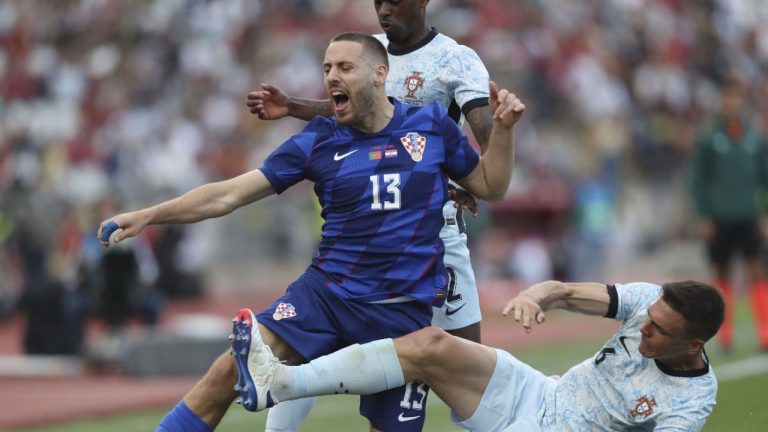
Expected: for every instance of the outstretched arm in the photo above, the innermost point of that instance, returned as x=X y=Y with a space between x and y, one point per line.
x=271 y=103
x=205 y=202
x=528 y=307
x=490 y=179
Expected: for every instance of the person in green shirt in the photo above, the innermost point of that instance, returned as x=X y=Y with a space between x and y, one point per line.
x=730 y=186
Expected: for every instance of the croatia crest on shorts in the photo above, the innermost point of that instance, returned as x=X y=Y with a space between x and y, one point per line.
x=284 y=310
x=414 y=144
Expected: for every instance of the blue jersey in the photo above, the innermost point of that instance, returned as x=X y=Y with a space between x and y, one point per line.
x=382 y=196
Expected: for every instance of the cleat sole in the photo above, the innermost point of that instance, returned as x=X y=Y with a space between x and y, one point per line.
x=243 y=325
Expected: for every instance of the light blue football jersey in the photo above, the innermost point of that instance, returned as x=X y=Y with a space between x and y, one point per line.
x=437 y=69
x=619 y=389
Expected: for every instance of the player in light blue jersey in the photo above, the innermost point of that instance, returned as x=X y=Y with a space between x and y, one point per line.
x=381 y=171
x=652 y=374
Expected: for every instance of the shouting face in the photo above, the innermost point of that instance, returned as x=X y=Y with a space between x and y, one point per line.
x=349 y=78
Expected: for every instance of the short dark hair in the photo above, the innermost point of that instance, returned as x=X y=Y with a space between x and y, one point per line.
x=700 y=304
x=370 y=44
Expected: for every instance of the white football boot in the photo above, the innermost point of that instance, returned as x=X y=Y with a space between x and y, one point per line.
x=256 y=366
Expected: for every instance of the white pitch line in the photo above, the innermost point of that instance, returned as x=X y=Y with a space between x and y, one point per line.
x=742 y=368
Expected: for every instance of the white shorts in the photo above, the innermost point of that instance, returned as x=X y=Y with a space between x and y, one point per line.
x=513 y=399
x=462 y=304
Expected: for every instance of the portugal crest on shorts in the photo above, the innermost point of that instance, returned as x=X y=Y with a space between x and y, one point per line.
x=413 y=83
x=414 y=144
x=644 y=407
x=284 y=310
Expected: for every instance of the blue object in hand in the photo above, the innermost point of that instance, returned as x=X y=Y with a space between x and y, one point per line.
x=107 y=231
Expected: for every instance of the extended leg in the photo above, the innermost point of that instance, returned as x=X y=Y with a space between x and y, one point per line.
x=457 y=370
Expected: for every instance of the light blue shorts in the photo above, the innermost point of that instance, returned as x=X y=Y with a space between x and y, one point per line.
x=513 y=399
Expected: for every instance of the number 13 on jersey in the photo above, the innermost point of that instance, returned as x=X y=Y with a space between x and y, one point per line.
x=391 y=196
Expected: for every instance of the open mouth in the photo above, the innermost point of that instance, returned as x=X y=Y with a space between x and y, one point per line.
x=340 y=100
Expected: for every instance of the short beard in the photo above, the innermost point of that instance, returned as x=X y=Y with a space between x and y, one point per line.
x=364 y=103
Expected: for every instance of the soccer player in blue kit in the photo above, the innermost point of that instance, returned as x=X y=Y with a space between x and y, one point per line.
x=424 y=66
x=651 y=375
x=378 y=270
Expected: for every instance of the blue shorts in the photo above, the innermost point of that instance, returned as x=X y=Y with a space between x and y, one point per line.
x=315 y=321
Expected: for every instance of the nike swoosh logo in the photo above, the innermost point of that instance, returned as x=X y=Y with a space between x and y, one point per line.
x=449 y=311
x=621 y=339
x=403 y=418
x=337 y=157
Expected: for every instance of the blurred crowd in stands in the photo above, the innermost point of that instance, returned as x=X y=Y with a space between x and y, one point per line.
x=117 y=104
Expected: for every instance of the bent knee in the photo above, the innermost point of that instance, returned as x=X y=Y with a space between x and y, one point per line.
x=429 y=343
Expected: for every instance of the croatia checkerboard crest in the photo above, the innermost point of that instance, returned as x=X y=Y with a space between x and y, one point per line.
x=284 y=310
x=414 y=144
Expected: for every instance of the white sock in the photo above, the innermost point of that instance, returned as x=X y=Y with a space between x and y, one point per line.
x=286 y=416
x=356 y=369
